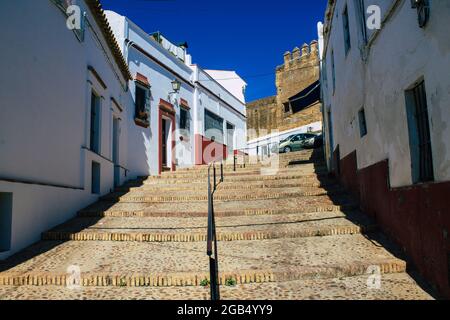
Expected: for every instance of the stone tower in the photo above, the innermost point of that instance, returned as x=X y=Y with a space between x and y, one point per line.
x=301 y=68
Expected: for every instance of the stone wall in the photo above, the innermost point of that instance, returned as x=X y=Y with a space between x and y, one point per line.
x=300 y=70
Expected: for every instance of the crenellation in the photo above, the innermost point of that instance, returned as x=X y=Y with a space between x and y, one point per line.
x=300 y=69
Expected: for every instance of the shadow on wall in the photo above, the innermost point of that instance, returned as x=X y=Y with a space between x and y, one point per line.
x=57 y=236
x=412 y=217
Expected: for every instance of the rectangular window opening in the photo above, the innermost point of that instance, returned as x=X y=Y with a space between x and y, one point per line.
x=5 y=221
x=95 y=178
x=184 y=116
x=142 y=103
x=213 y=127
x=419 y=134
x=346 y=30
x=362 y=123
x=95 y=123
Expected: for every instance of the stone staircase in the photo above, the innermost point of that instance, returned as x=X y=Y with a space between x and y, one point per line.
x=296 y=233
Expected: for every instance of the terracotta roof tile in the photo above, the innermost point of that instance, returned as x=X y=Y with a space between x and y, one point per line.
x=100 y=17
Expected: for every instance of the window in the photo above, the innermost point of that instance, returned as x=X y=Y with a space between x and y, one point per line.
x=184 y=119
x=95 y=123
x=287 y=107
x=346 y=30
x=230 y=136
x=419 y=134
x=333 y=71
x=362 y=123
x=360 y=8
x=95 y=175
x=142 y=103
x=213 y=127
x=5 y=221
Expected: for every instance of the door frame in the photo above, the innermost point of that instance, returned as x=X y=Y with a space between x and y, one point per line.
x=167 y=112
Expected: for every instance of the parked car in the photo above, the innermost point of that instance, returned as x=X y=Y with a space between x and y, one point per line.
x=297 y=142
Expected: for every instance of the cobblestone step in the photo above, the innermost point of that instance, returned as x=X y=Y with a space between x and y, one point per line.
x=185 y=264
x=396 y=286
x=194 y=229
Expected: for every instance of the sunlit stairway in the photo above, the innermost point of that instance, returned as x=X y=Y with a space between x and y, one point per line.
x=292 y=234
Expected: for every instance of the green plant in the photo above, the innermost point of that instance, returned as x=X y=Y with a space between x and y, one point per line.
x=123 y=283
x=230 y=282
x=204 y=283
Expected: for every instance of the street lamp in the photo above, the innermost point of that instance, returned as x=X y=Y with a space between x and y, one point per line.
x=176 y=86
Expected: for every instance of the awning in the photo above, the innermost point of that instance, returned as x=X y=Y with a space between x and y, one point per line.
x=306 y=97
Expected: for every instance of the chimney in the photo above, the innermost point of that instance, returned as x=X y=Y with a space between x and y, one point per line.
x=296 y=54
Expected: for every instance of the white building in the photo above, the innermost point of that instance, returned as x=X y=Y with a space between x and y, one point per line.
x=386 y=97
x=63 y=104
x=75 y=122
x=176 y=126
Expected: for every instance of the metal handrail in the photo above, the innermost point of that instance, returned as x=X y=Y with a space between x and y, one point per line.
x=211 y=245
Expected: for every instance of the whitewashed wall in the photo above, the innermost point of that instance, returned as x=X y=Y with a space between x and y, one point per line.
x=228 y=107
x=400 y=55
x=145 y=162
x=44 y=116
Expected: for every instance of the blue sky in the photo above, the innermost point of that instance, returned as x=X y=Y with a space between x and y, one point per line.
x=248 y=36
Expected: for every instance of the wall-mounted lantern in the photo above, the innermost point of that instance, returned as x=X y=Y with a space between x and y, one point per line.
x=176 y=86
x=423 y=11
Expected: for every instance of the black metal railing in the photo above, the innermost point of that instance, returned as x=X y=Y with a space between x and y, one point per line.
x=211 y=246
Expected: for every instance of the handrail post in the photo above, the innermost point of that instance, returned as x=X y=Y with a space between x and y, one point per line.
x=234 y=162
x=215 y=182
x=212 y=240
x=221 y=171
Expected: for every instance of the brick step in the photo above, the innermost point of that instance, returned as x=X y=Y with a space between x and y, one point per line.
x=195 y=229
x=254 y=166
x=241 y=173
x=186 y=264
x=395 y=286
x=228 y=213
x=239 y=178
x=253 y=185
x=202 y=197
x=195 y=279
x=232 y=189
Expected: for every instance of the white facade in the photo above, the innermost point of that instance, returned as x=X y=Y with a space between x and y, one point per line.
x=376 y=73
x=161 y=67
x=47 y=78
x=68 y=129
x=231 y=81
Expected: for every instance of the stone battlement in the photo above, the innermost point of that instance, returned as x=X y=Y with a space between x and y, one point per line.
x=304 y=57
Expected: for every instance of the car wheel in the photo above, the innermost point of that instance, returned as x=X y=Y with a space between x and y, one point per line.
x=287 y=149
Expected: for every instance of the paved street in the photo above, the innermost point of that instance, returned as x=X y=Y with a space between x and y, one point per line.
x=282 y=238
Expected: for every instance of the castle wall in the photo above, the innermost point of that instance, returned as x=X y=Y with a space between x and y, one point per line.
x=300 y=70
